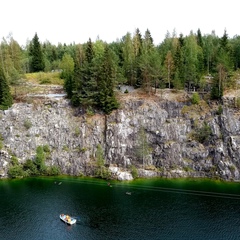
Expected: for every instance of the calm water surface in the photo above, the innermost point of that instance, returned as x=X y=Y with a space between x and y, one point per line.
x=156 y=209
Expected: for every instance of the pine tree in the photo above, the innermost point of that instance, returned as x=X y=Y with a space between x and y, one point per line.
x=37 y=60
x=5 y=95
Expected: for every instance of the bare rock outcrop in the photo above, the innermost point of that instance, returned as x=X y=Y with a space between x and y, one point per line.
x=157 y=136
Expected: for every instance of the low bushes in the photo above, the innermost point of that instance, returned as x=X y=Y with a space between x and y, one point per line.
x=34 y=167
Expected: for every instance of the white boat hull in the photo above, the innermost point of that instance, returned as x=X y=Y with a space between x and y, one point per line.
x=67 y=219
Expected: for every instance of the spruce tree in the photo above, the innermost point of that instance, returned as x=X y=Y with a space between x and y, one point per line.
x=87 y=85
x=137 y=43
x=36 y=54
x=224 y=41
x=147 y=42
x=178 y=81
x=129 y=59
x=106 y=97
x=199 y=38
x=5 y=95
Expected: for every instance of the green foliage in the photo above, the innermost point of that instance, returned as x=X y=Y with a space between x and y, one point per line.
x=129 y=58
x=90 y=111
x=46 y=148
x=203 y=133
x=199 y=38
x=94 y=79
x=134 y=171
x=213 y=170
x=67 y=66
x=53 y=171
x=15 y=171
x=27 y=124
x=149 y=64
x=99 y=156
x=40 y=160
x=77 y=132
x=143 y=148
x=65 y=148
x=11 y=56
x=1 y=141
x=33 y=167
x=83 y=150
x=190 y=51
x=6 y=100
x=187 y=169
x=195 y=98
x=216 y=93
x=84 y=81
x=168 y=68
x=179 y=60
x=44 y=78
x=14 y=161
x=106 y=96
x=237 y=102
x=36 y=54
x=45 y=81
x=101 y=171
x=30 y=167
x=220 y=110
x=47 y=151
x=232 y=168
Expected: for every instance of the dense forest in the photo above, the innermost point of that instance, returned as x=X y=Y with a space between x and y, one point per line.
x=92 y=70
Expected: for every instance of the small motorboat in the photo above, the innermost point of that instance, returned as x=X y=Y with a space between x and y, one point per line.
x=67 y=219
x=128 y=193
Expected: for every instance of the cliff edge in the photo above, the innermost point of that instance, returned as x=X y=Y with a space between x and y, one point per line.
x=161 y=136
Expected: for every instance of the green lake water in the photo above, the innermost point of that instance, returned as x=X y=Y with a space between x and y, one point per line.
x=156 y=209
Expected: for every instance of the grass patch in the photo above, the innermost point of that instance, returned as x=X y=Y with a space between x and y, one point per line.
x=27 y=124
x=195 y=111
x=44 y=78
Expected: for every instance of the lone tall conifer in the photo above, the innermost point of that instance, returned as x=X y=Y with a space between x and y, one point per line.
x=37 y=61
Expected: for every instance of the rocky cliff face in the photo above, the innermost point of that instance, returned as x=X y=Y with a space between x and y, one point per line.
x=158 y=135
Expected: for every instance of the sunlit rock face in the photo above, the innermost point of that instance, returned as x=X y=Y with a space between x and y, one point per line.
x=159 y=137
